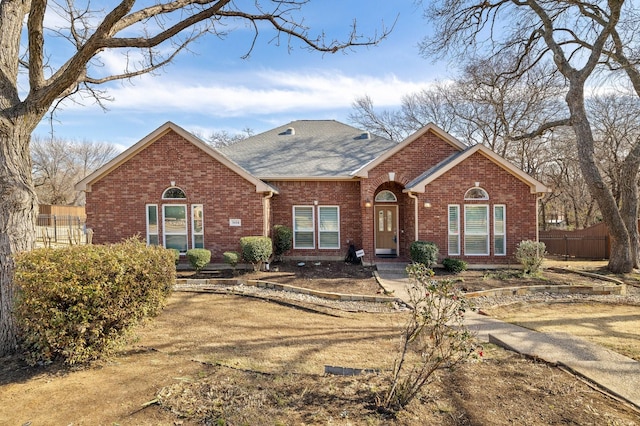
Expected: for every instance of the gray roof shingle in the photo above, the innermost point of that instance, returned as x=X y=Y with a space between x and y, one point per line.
x=314 y=149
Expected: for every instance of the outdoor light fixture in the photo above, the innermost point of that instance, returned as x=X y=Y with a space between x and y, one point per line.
x=367 y=203
x=427 y=204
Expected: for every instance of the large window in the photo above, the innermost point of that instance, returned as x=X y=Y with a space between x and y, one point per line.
x=197 y=225
x=152 y=225
x=303 y=227
x=328 y=227
x=454 y=230
x=476 y=229
x=499 y=230
x=175 y=226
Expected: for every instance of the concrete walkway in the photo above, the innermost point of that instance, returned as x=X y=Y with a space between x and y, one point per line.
x=615 y=373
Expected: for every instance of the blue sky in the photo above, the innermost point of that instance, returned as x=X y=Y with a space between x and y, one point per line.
x=212 y=88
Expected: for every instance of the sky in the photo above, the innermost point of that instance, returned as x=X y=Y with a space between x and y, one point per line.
x=212 y=88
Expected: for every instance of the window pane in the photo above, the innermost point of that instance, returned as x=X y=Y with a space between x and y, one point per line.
x=476 y=194
x=174 y=193
x=386 y=196
x=152 y=219
x=476 y=244
x=197 y=218
x=198 y=241
x=329 y=227
x=454 y=230
x=499 y=244
x=303 y=235
x=178 y=242
x=453 y=220
x=476 y=228
x=381 y=220
x=153 y=240
x=454 y=245
x=499 y=230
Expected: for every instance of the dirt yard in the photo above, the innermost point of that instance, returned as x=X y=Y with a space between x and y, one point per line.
x=224 y=359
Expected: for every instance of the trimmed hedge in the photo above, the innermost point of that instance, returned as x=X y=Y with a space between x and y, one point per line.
x=454 y=265
x=198 y=258
x=256 y=250
x=231 y=258
x=282 y=240
x=424 y=252
x=77 y=304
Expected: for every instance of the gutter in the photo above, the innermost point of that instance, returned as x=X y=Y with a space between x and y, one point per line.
x=415 y=219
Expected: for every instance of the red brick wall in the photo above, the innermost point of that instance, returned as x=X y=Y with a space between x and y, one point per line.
x=502 y=187
x=345 y=194
x=116 y=204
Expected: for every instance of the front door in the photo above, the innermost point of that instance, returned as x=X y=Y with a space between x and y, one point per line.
x=386 y=217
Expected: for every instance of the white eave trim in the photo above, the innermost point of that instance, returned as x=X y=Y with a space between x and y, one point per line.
x=85 y=184
x=364 y=170
x=535 y=186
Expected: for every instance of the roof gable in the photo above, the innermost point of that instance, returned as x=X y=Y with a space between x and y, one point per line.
x=308 y=149
x=419 y=183
x=85 y=184
x=364 y=170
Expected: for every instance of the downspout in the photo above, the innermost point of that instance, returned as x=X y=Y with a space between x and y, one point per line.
x=415 y=219
x=266 y=213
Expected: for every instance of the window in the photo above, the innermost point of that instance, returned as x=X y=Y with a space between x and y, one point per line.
x=152 y=225
x=197 y=225
x=386 y=197
x=303 y=227
x=175 y=226
x=173 y=193
x=476 y=193
x=499 y=230
x=476 y=229
x=454 y=230
x=328 y=227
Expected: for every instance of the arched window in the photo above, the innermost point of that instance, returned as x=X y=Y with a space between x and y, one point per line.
x=386 y=197
x=476 y=193
x=173 y=193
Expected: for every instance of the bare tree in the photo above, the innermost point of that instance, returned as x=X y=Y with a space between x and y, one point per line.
x=58 y=164
x=148 y=34
x=222 y=138
x=580 y=39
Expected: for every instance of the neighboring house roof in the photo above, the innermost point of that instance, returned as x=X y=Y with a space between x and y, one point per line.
x=364 y=170
x=318 y=149
x=85 y=184
x=419 y=183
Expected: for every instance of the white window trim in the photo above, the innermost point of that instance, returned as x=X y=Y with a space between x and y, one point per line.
x=449 y=233
x=165 y=232
x=157 y=233
x=332 y=232
x=193 y=225
x=504 y=226
x=312 y=229
x=484 y=198
x=487 y=233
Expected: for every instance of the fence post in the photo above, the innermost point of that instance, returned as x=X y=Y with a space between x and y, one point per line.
x=55 y=228
x=566 y=247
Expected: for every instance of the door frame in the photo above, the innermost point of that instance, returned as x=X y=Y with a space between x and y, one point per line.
x=375 y=230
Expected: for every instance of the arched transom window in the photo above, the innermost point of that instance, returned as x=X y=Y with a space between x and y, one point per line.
x=173 y=193
x=476 y=193
x=386 y=197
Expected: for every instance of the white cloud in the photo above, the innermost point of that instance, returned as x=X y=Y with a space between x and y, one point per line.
x=261 y=93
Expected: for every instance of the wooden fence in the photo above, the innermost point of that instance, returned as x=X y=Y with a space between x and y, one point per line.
x=576 y=246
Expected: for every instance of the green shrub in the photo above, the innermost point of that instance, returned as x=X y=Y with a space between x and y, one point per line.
x=231 y=258
x=454 y=265
x=256 y=250
x=282 y=240
x=531 y=255
x=198 y=258
x=77 y=304
x=424 y=252
x=176 y=254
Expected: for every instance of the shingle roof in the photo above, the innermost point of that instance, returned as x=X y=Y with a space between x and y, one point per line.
x=313 y=149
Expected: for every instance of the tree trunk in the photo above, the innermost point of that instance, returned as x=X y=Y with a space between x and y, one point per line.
x=620 y=260
x=17 y=220
x=629 y=200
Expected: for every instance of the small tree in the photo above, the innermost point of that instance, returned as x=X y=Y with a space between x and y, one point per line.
x=256 y=250
x=282 y=240
x=231 y=258
x=434 y=337
x=531 y=255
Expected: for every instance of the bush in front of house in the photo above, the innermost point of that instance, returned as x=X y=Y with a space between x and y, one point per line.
x=231 y=258
x=77 y=304
x=454 y=265
x=531 y=255
x=282 y=240
x=176 y=254
x=198 y=258
x=256 y=250
x=424 y=252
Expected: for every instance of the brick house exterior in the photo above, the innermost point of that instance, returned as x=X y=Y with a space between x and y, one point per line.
x=334 y=185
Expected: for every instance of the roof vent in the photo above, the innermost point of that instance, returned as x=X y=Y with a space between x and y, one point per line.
x=365 y=135
x=290 y=131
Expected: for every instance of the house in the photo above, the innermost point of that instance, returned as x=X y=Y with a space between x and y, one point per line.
x=333 y=184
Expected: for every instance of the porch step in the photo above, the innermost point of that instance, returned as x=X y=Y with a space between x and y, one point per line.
x=392 y=267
